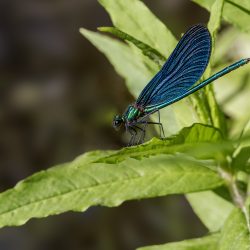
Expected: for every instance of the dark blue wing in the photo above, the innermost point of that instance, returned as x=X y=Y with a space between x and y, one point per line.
x=183 y=68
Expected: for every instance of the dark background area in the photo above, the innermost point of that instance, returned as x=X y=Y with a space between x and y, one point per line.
x=58 y=95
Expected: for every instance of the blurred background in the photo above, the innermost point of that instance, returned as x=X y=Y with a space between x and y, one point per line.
x=58 y=97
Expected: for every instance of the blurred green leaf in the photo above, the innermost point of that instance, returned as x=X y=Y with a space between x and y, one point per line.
x=224 y=45
x=210 y=208
x=235 y=234
x=233 y=92
x=246 y=134
x=240 y=161
x=205 y=243
x=236 y=12
x=131 y=67
x=135 y=19
x=204 y=101
x=82 y=183
x=215 y=19
x=148 y=51
x=241 y=156
x=218 y=119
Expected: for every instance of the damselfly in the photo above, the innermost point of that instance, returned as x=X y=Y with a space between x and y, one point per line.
x=173 y=82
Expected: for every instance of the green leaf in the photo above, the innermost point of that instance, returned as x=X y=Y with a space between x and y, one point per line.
x=233 y=92
x=235 y=234
x=205 y=243
x=135 y=19
x=236 y=12
x=81 y=184
x=198 y=140
x=200 y=133
x=215 y=19
x=224 y=44
x=217 y=117
x=237 y=89
x=240 y=161
x=148 y=51
x=246 y=134
x=210 y=208
x=131 y=67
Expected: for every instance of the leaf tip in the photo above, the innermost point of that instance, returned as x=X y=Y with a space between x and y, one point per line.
x=82 y=30
x=103 y=29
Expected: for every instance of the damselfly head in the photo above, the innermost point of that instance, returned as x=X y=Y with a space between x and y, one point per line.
x=117 y=121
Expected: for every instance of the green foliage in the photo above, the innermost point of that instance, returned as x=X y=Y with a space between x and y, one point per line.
x=124 y=15
x=211 y=208
x=123 y=59
x=240 y=161
x=235 y=12
x=195 y=159
x=217 y=118
x=148 y=51
x=109 y=179
x=209 y=109
x=205 y=243
x=235 y=233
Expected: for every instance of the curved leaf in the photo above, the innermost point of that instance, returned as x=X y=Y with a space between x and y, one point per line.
x=199 y=140
x=205 y=243
x=121 y=56
x=109 y=178
x=81 y=184
x=148 y=51
x=135 y=19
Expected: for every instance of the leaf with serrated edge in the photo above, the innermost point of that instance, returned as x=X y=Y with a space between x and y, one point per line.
x=198 y=140
x=78 y=185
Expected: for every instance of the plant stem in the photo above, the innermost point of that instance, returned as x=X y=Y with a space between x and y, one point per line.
x=238 y=197
x=246 y=213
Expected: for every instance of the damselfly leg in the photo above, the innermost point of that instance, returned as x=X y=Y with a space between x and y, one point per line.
x=133 y=134
x=145 y=121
